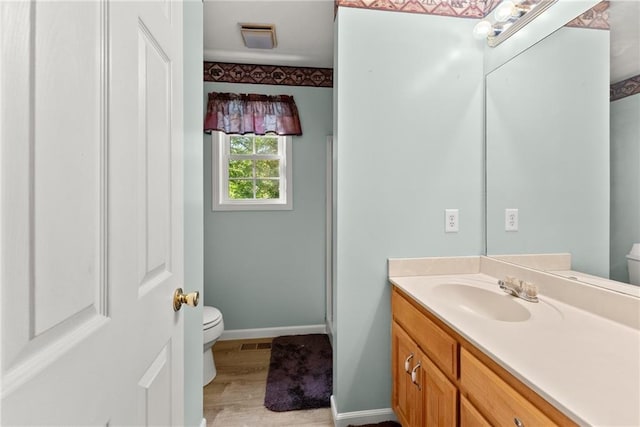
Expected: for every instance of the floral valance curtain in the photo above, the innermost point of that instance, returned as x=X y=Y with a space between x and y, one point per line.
x=252 y=113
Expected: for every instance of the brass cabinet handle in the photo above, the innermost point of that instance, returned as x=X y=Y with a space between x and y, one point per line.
x=414 y=375
x=179 y=298
x=407 y=363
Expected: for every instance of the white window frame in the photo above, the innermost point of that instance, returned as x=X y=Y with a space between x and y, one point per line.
x=220 y=178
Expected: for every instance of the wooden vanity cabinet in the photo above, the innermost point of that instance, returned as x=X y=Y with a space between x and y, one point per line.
x=453 y=382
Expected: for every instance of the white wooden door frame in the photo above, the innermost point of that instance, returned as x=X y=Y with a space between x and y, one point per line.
x=329 y=236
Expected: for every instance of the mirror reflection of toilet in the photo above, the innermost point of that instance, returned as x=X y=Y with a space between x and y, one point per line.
x=212 y=327
x=633 y=262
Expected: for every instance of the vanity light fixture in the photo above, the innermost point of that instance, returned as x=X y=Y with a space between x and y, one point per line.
x=507 y=10
x=482 y=30
x=509 y=17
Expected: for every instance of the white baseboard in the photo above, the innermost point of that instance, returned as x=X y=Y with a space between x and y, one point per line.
x=203 y=423
x=239 y=334
x=372 y=416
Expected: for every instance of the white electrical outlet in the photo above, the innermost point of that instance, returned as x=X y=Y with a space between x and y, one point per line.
x=511 y=219
x=451 y=220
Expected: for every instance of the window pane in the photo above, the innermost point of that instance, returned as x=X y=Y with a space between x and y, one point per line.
x=240 y=189
x=240 y=169
x=241 y=144
x=267 y=189
x=266 y=145
x=268 y=168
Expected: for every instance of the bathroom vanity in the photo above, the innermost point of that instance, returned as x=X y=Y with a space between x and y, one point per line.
x=466 y=353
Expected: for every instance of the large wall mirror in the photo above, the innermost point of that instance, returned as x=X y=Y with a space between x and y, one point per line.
x=562 y=154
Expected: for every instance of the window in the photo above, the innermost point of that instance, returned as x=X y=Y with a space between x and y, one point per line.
x=251 y=172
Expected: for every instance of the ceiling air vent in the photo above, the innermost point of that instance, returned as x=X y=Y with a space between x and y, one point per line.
x=259 y=36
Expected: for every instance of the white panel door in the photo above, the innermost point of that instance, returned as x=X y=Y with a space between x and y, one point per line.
x=91 y=214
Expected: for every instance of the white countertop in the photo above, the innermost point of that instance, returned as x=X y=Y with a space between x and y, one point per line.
x=586 y=365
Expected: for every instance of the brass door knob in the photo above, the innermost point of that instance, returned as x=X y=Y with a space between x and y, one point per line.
x=179 y=298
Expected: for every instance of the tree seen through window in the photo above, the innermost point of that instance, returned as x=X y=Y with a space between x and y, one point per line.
x=254 y=167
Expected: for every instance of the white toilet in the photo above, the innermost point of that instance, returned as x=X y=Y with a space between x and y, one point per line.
x=212 y=327
x=633 y=262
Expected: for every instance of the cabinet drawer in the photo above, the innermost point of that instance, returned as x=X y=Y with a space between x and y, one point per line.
x=469 y=416
x=496 y=399
x=436 y=343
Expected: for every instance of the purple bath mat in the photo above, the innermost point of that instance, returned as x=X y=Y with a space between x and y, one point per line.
x=300 y=373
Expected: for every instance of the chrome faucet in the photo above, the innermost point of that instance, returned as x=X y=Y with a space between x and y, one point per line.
x=519 y=288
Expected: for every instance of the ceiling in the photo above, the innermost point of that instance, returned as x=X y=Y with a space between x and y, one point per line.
x=624 y=19
x=304 y=30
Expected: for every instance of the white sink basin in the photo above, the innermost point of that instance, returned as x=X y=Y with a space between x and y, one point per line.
x=481 y=302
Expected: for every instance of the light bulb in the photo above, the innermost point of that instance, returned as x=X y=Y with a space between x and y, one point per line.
x=482 y=30
x=504 y=11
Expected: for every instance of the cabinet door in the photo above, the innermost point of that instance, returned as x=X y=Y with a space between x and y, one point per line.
x=406 y=398
x=439 y=396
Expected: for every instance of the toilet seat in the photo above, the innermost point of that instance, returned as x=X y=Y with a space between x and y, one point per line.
x=211 y=316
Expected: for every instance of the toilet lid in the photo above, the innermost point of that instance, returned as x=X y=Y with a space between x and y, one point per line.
x=210 y=316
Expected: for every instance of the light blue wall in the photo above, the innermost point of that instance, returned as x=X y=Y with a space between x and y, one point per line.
x=548 y=149
x=409 y=143
x=625 y=182
x=193 y=230
x=266 y=269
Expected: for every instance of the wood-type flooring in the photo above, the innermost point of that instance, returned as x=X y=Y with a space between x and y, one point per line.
x=235 y=398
